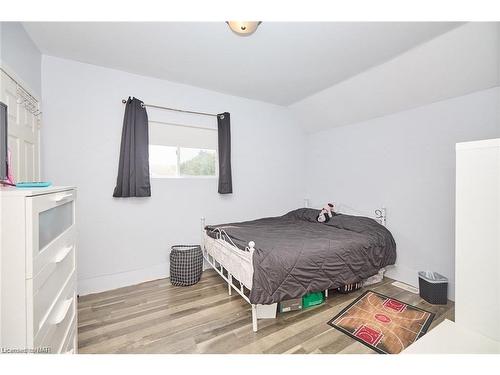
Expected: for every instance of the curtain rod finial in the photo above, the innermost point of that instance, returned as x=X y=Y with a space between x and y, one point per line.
x=124 y=101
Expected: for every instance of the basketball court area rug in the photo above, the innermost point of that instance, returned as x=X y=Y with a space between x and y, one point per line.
x=384 y=324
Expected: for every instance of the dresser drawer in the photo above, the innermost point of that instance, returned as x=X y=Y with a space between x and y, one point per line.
x=70 y=345
x=54 y=257
x=45 y=289
x=59 y=285
x=52 y=217
x=60 y=321
x=58 y=335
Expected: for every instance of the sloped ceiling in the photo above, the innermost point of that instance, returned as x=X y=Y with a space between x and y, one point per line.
x=459 y=62
x=282 y=63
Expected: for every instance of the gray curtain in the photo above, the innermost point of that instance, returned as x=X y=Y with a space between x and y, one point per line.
x=133 y=168
x=224 y=137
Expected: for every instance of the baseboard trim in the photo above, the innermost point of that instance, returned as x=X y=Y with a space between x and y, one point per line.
x=410 y=276
x=160 y=271
x=118 y=280
x=404 y=274
x=121 y=279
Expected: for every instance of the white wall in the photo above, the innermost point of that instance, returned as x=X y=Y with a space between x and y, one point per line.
x=1 y=41
x=459 y=62
x=125 y=241
x=19 y=55
x=406 y=162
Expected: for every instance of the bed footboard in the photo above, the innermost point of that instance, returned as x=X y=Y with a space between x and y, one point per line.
x=230 y=272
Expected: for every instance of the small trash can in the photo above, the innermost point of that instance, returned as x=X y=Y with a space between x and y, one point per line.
x=186 y=264
x=433 y=287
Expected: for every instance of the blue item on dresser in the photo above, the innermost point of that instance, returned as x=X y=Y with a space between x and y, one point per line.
x=33 y=184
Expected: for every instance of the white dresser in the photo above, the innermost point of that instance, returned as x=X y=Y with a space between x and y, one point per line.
x=38 y=270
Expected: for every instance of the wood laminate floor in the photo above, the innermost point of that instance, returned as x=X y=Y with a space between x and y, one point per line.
x=156 y=317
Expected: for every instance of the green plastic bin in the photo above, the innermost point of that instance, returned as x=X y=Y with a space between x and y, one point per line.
x=312 y=299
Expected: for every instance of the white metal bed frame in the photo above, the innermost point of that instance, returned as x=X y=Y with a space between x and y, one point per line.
x=379 y=215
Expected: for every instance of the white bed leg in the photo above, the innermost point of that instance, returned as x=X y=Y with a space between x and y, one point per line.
x=229 y=283
x=254 y=318
x=202 y=223
x=326 y=293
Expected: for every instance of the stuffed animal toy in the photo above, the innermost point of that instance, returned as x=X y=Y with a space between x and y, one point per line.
x=325 y=214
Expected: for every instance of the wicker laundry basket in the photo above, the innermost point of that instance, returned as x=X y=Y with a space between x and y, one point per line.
x=186 y=264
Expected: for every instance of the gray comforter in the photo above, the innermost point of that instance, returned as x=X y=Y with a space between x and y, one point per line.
x=295 y=255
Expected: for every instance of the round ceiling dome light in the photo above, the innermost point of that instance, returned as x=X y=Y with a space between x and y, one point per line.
x=243 y=28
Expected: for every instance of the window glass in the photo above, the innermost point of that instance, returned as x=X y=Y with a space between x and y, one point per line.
x=162 y=161
x=197 y=162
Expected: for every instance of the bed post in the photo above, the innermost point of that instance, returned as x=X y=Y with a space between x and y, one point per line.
x=206 y=262
x=202 y=223
x=251 y=247
x=229 y=283
x=381 y=215
x=254 y=317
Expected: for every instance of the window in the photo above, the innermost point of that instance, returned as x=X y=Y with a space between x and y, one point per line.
x=181 y=151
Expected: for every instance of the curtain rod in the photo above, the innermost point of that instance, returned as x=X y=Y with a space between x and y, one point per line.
x=182 y=125
x=174 y=109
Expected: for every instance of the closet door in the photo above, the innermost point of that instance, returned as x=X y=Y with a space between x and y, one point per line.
x=24 y=131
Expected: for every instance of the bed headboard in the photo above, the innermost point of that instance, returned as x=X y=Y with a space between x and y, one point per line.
x=379 y=214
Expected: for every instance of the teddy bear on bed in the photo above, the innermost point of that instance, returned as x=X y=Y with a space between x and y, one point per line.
x=326 y=213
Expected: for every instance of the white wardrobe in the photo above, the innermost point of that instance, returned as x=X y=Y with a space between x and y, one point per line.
x=476 y=328
x=477 y=236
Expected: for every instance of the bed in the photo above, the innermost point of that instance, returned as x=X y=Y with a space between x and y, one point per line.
x=273 y=259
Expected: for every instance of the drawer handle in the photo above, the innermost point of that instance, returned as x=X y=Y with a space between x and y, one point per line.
x=62 y=311
x=61 y=255
x=60 y=198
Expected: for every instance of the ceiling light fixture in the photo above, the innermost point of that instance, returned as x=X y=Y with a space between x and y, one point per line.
x=243 y=28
